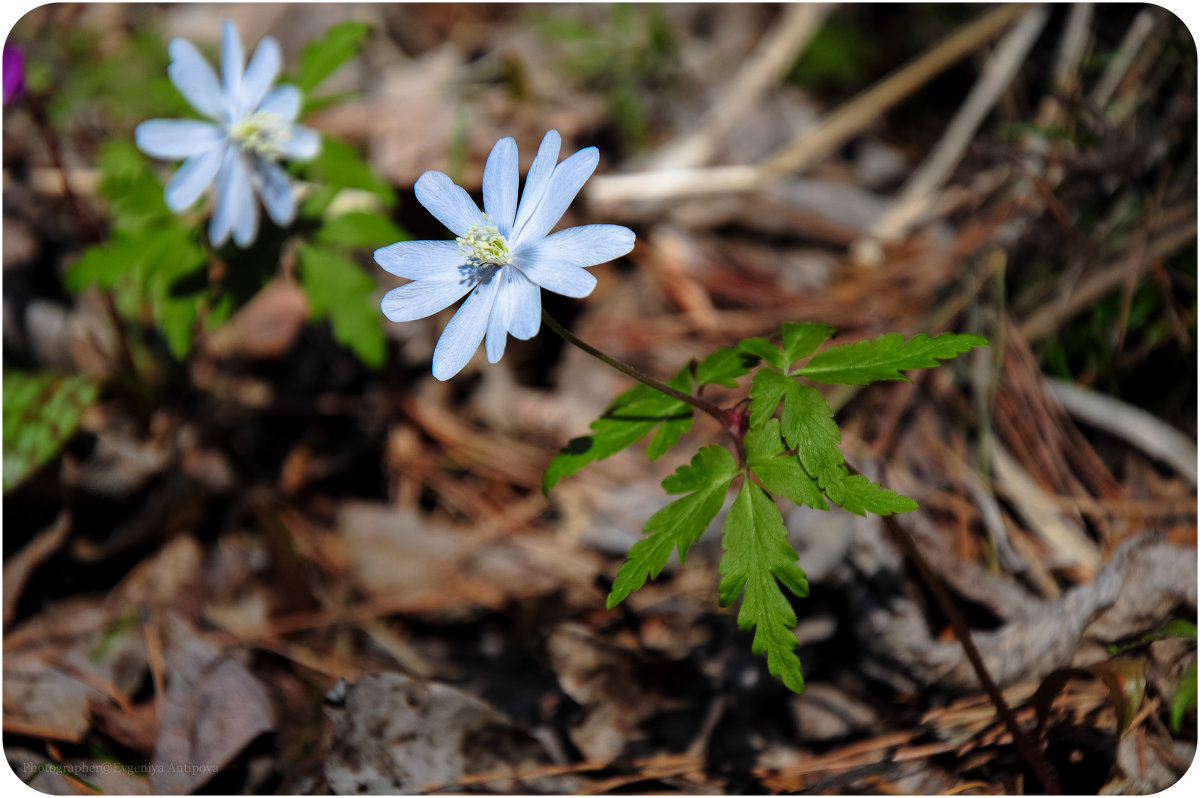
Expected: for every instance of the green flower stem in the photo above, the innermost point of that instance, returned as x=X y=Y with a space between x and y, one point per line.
x=695 y=401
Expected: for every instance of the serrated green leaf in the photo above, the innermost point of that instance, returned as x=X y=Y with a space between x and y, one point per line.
x=885 y=357
x=761 y=347
x=802 y=339
x=767 y=388
x=724 y=366
x=780 y=473
x=339 y=290
x=360 y=229
x=809 y=428
x=756 y=554
x=41 y=412
x=319 y=59
x=628 y=419
x=1184 y=698
x=860 y=496
x=680 y=523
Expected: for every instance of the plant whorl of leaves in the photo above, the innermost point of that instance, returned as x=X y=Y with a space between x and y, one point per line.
x=795 y=456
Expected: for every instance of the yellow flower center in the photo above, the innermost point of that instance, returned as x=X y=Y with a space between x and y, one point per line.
x=484 y=246
x=262 y=133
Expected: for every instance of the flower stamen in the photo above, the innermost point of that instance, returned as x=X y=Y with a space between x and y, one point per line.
x=262 y=133
x=484 y=245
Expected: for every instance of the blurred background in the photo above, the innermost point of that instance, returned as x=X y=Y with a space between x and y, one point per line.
x=230 y=483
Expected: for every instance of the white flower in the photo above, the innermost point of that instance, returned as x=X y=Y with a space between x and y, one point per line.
x=503 y=257
x=253 y=127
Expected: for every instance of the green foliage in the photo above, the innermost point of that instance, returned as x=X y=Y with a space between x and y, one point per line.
x=360 y=229
x=780 y=471
x=628 y=419
x=756 y=555
x=724 y=367
x=152 y=254
x=860 y=496
x=1184 y=698
x=837 y=58
x=680 y=523
x=762 y=348
x=319 y=59
x=339 y=166
x=801 y=340
x=885 y=357
x=41 y=412
x=796 y=456
x=339 y=290
x=624 y=57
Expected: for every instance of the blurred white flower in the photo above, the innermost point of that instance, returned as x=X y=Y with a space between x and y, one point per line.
x=502 y=257
x=253 y=127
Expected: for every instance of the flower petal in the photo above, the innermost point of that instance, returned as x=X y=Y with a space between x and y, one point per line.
x=526 y=307
x=283 y=100
x=276 y=192
x=260 y=74
x=232 y=59
x=582 y=246
x=501 y=315
x=561 y=278
x=500 y=178
x=451 y=204
x=439 y=261
x=304 y=144
x=538 y=179
x=233 y=195
x=422 y=298
x=569 y=176
x=245 y=226
x=195 y=80
x=176 y=138
x=462 y=335
x=197 y=172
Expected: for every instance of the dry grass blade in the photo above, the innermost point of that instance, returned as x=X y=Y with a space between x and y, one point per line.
x=918 y=194
x=839 y=127
x=1134 y=38
x=1132 y=424
x=778 y=51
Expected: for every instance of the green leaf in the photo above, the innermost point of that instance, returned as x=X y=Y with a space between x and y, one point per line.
x=173 y=255
x=767 y=388
x=319 y=59
x=780 y=473
x=883 y=358
x=802 y=339
x=757 y=553
x=41 y=412
x=860 y=496
x=680 y=523
x=1184 y=698
x=809 y=428
x=338 y=165
x=338 y=289
x=360 y=229
x=628 y=419
x=724 y=366
x=761 y=347
x=134 y=193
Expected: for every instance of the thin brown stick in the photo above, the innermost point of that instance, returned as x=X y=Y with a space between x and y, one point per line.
x=1024 y=747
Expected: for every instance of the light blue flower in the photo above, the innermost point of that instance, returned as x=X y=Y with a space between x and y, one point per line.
x=253 y=127
x=503 y=257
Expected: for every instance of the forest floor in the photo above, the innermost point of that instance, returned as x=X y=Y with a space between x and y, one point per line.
x=301 y=573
